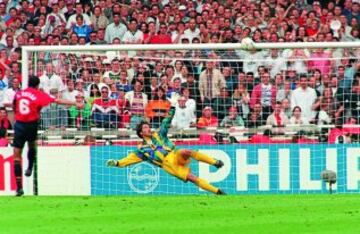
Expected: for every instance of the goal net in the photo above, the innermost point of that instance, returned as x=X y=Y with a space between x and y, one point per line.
x=277 y=115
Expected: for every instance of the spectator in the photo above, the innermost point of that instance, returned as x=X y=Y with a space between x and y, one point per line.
x=232 y=119
x=137 y=101
x=207 y=119
x=277 y=118
x=297 y=118
x=78 y=11
x=3 y=138
x=157 y=109
x=115 y=30
x=4 y=119
x=133 y=35
x=162 y=37
x=80 y=118
x=275 y=62
x=241 y=100
x=104 y=110
x=70 y=92
x=256 y=117
x=304 y=97
x=54 y=116
x=210 y=83
x=286 y=108
x=264 y=94
x=221 y=104
x=123 y=108
x=285 y=92
x=98 y=19
x=81 y=29
x=184 y=114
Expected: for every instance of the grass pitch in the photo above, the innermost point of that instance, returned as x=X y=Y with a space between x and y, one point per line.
x=182 y=214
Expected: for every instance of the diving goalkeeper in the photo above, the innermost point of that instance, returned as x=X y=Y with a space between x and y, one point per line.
x=157 y=149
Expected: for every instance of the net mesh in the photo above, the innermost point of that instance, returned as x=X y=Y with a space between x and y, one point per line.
x=275 y=117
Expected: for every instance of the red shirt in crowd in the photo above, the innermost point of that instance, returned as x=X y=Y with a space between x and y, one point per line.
x=28 y=104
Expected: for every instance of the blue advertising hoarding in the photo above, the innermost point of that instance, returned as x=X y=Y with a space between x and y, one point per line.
x=248 y=169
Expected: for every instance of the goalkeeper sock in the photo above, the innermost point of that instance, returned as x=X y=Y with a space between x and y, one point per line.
x=31 y=157
x=206 y=186
x=202 y=157
x=18 y=174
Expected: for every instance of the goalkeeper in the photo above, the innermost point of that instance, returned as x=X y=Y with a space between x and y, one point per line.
x=157 y=149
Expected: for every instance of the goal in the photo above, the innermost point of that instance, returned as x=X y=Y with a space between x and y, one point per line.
x=277 y=114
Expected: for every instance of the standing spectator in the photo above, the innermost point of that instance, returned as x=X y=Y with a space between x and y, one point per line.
x=211 y=81
x=137 y=101
x=81 y=29
x=98 y=19
x=8 y=100
x=275 y=62
x=115 y=30
x=184 y=114
x=264 y=94
x=123 y=108
x=54 y=116
x=78 y=11
x=207 y=119
x=80 y=118
x=304 y=97
x=285 y=92
x=133 y=35
x=192 y=31
x=163 y=37
x=114 y=73
x=321 y=60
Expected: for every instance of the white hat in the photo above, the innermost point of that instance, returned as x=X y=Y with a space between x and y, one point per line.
x=182 y=8
x=106 y=61
x=88 y=59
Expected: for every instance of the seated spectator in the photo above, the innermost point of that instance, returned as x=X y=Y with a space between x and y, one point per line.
x=184 y=116
x=232 y=119
x=54 y=116
x=70 y=92
x=207 y=119
x=157 y=109
x=277 y=118
x=297 y=118
x=4 y=119
x=3 y=137
x=324 y=116
x=262 y=138
x=80 y=118
x=175 y=91
x=285 y=108
x=104 y=110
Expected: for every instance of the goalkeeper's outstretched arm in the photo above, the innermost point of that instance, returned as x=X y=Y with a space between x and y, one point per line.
x=132 y=158
x=166 y=123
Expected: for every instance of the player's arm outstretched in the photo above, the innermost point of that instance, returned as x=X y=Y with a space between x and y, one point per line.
x=166 y=123
x=132 y=158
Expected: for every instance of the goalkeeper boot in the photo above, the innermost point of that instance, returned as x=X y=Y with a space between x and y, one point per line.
x=28 y=172
x=19 y=192
x=218 y=164
x=220 y=192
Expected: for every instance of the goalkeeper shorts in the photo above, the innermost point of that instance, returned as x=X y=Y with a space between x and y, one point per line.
x=176 y=165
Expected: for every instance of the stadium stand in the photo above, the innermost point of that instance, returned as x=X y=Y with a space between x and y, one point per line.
x=253 y=89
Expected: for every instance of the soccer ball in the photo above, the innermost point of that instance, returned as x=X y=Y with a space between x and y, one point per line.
x=247 y=43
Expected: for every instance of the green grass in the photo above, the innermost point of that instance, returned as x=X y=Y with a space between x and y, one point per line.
x=181 y=214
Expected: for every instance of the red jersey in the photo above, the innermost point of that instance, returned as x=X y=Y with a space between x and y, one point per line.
x=28 y=104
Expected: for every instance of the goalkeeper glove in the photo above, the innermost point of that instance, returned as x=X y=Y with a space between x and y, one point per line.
x=111 y=163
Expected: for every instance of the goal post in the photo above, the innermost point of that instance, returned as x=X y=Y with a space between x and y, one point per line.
x=261 y=151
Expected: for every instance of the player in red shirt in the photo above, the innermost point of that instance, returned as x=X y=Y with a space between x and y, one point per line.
x=27 y=106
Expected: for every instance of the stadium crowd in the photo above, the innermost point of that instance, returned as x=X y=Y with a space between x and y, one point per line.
x=209 y=88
